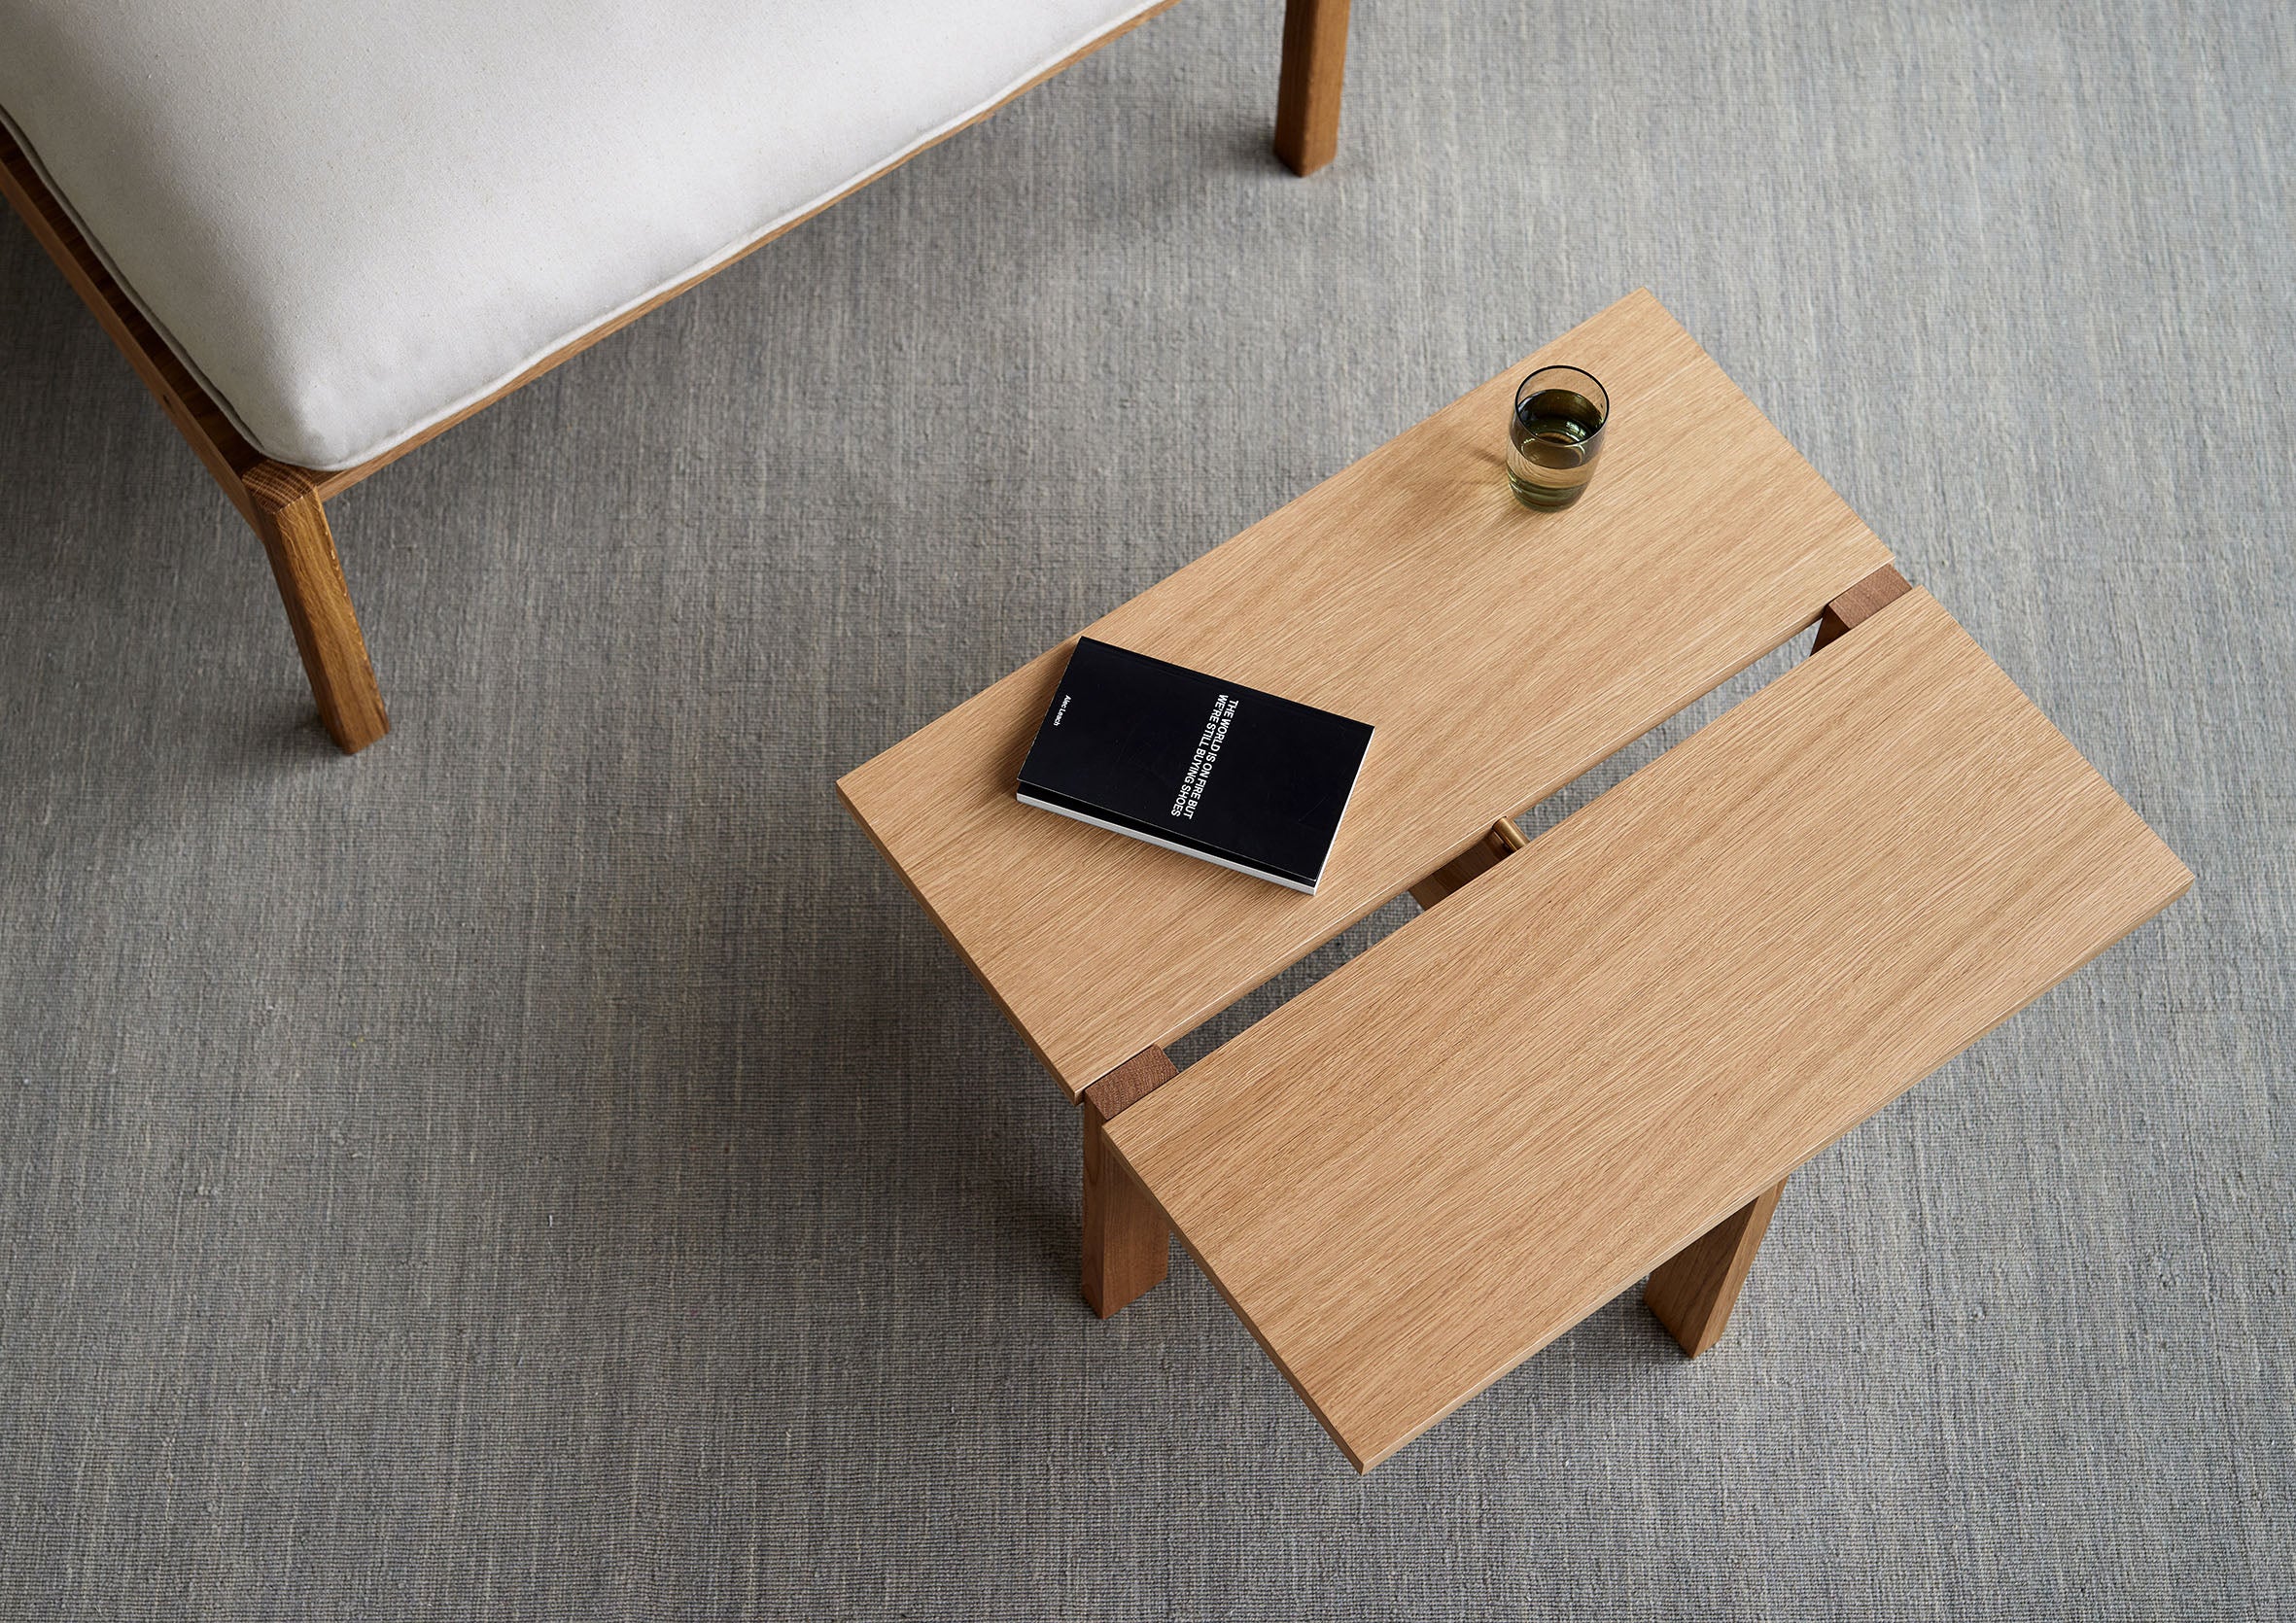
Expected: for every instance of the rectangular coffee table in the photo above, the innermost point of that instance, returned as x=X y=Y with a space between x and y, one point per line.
x=1604 y=1056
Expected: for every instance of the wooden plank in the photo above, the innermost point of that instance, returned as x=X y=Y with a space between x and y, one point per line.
x=1449 y=1151
x=1314 y=76
x=1692 y=1292
x=1500 y=653
x=1127 y=1242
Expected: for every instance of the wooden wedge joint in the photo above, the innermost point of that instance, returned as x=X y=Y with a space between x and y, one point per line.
x=1861 y=602
x=1500 y=841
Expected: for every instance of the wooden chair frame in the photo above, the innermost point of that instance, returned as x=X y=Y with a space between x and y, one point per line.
x=284 y=504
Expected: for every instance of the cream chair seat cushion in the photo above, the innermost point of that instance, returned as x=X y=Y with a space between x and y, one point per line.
x=354 y=218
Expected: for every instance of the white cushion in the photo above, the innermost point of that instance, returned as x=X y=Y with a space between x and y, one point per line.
x=353 y=218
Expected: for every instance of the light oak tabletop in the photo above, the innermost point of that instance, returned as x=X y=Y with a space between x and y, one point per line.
x=1497 y=652
x=1447 y=1152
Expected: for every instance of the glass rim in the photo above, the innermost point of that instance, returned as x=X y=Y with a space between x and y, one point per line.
x=1600 y=400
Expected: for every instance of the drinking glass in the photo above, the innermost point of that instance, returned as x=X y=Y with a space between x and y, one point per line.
x=1555 y=437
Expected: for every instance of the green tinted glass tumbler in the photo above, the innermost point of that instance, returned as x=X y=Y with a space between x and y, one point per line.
x=1555 y=437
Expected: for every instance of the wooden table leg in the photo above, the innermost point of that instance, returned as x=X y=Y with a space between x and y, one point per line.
x=1692 y=1293
x=1128 y=1241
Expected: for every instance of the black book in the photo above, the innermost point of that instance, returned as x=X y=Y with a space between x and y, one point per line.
x=1206 y=768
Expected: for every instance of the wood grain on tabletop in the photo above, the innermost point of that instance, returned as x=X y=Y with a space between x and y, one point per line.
x=1452 y=1149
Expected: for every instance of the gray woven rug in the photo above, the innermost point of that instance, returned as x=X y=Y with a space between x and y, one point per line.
x=546 y=1166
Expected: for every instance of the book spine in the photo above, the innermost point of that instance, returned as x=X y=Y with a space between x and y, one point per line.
x=1202 y=852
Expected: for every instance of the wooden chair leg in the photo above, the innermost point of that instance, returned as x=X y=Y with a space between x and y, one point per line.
x=1315 y=71
x=1692 y=1293
x=1128 y=1240
x=287 y=514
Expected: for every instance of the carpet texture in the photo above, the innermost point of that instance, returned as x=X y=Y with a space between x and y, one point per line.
x=548 y=1166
